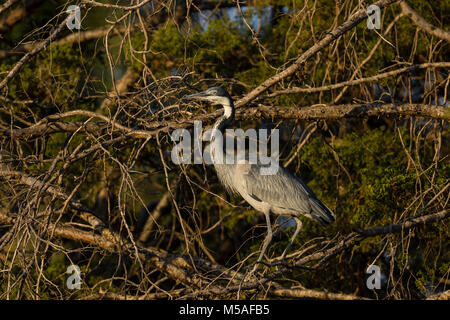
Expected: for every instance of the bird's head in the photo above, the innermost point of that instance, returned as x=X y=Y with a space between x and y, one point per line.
x=214 y=95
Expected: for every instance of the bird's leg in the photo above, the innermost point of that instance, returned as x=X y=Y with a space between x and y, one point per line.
x=267 y=240
x=297 y=230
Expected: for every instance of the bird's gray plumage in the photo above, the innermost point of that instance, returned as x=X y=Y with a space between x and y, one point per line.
x=281 y=193
x=286 y=194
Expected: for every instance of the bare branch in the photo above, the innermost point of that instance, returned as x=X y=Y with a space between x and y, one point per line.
x=422 y=23
x=17 y=14
x=32 y=53
x=359 y=81
x=316 y=112
x=331 y=36
x=7 y=4
x=314 y=294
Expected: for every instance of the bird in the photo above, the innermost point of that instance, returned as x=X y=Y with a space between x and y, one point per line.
x=281 y=193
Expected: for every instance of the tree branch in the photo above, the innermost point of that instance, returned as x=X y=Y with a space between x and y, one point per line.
x=354 y=20
x=73 y=37
x=17 y=14
x=347 y=242
x=359 y=81
x=7 y=4
x=314 y=294
x=331 y=112
x=315 y=112
x=32 y=53
x=423 y=24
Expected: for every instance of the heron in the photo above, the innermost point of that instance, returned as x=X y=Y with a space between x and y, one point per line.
x=281 y=194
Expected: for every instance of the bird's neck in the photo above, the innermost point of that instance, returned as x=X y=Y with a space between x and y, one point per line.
x=227 y=117
x=220 y=125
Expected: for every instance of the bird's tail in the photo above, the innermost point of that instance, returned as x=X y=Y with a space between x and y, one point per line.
x=320 y=212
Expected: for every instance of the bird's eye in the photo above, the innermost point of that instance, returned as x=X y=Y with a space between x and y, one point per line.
x=213 y=92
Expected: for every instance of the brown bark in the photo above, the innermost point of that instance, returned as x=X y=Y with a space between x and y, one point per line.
x=423 y=24
x=16 y=15
x=316 y=112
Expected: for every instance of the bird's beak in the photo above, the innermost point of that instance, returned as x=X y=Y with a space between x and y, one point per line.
x=202 y=96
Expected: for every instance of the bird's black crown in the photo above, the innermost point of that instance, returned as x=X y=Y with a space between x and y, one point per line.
x=217 y=91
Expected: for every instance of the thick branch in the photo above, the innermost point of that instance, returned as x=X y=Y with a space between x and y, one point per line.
x=440 y=296
x=316 y=112
x=349 y=241
x=314 y=294
x=413 y=222
x=423 y=24
x=175 y=266
x=17 y=14
x=356 y=237
x=331 y=112
x=362 y=80
x=7 y=4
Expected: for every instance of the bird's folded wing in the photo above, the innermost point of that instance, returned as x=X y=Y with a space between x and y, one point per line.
x=282 y=189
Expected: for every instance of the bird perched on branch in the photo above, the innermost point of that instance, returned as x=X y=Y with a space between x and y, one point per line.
x=281 y=193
